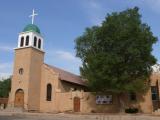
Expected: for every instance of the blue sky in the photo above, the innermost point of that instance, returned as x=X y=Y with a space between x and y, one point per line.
x=61 y=21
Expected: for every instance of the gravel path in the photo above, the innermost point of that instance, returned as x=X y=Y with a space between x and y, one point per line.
x=43 y=116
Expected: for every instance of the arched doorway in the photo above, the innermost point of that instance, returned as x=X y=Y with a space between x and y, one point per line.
x=76 y=104
x=19 y=98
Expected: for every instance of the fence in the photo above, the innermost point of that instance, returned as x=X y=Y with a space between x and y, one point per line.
x=3 y=103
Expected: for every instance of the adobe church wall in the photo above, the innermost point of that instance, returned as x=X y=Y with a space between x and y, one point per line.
x=64 y=102
x=143 y=102
x=37 y=58
x=66 y=86
x=89 y=104
x=20 y=81
x=48 y=77
x=63 y=98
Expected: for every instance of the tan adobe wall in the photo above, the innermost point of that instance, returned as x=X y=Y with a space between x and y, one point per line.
x=20 y=81
x=48 y=77
x=154 y=78
x=37 y=58
x=66 y=86
x=30 y=60
x=63 y=100
x=87 y=103
x=143 y=102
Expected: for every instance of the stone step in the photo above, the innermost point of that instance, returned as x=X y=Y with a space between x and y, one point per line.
x=13 y=109
x=156 y=112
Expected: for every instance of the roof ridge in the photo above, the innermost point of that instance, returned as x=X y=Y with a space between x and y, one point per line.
x=62 y=70
x=67 y=76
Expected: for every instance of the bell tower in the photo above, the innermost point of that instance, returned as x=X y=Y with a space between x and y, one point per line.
x=26 y=79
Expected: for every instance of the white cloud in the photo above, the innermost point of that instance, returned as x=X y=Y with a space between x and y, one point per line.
x=63 y=59
x=94 y=4
x=66 y=55
x=5 y=70
x=6 y=48
x=154 y=5
x=4 y=75
x=5 y=65
x=95 y=10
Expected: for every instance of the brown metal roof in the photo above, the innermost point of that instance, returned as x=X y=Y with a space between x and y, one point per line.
x=67 y=76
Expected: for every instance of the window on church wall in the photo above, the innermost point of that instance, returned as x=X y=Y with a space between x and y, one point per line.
x=49 y=92
x=35 y=41
x=132 y=96
x=154 y=92
x=22 y=42
x=39 y=43
x=27 y=40
x=21 y=71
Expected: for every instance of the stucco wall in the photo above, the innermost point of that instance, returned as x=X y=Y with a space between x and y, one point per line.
x=31 y=61
x=66 y=86
x=20 y=81
x=63 y=102
x=48 y=77
x=62 y=99
x=60 y=91
x=37 y=58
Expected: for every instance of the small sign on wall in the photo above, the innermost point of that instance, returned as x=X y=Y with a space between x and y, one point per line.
x=104 y=99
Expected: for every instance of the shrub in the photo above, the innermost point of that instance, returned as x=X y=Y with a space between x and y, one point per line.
x=131 y=110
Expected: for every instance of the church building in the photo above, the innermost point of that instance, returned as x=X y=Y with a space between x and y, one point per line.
x=37 y=86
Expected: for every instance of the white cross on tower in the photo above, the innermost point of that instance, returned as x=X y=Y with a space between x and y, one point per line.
x=33 y=15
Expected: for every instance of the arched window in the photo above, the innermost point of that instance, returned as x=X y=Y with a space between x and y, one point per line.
x=27 y=40
x=39 y=43
x=21 y=71
x=22 y=42
x=49 y=92
x=35 y=41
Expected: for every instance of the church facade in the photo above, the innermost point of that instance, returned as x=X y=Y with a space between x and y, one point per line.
x=37 y=86
x=32 y=77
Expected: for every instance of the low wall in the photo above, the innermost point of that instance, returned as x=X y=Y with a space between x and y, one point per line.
x=3 y=103
x=3 y=100
x=65 y=102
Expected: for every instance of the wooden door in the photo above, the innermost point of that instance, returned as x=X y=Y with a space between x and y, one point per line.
x=76 y=104
x=19 y=98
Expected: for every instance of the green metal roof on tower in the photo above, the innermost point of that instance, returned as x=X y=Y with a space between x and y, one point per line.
x=31 y=28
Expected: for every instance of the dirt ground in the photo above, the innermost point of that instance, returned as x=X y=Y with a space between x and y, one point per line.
x=62 y=116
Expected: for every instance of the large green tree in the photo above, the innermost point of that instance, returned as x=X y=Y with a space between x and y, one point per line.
x=116 y=56
x=5 y=87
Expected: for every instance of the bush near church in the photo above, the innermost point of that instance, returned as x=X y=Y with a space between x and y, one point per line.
x=131 y=110
x=5 y=87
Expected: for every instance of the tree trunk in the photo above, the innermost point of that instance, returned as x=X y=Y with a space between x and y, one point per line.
x=121 y=103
